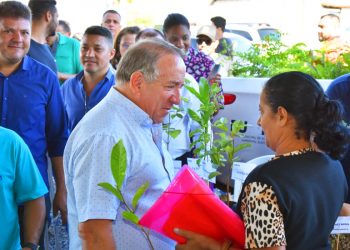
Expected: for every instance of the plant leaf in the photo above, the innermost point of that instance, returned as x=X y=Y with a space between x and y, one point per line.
x=174 y=133
x=193 y=91
x=213 y=174
x=130 y=216
x=140 y=191
x=241 y=147
x=111 y=189
x=118 y=163
x=204 y=90
x=194 y=116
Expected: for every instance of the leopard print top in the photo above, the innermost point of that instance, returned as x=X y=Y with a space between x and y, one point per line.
x=263 y=220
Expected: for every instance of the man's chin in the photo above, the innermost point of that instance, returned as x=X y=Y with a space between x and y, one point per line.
x=15 y=60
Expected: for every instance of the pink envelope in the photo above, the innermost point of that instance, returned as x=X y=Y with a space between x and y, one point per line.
x=189 y=204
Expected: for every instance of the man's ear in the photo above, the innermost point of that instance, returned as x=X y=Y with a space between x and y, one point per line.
x=282 y=114
x=48 y=16
x=111 y=54
x=136 y=82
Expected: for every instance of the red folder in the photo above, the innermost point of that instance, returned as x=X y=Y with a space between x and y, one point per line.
x=189 y=204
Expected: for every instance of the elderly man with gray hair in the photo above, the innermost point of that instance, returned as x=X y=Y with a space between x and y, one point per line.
x=149 y=79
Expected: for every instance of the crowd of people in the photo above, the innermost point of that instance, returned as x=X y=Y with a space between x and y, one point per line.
x=65 y=103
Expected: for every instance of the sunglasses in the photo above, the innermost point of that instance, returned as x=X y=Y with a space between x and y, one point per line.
x=201 y=40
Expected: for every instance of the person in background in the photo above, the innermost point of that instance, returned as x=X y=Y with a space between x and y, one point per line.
x=293 y=200
x=66 y=52
x=206 y=40
x=64 y=28
x=224 y=46
x=329 y=34
x=83 y=91
x=339 y=89
x=17 y=167
x=111 y=20
x=176 y=29
x=31 y=102
x=148 y=82
x=125 y=38
x=207 y=44
x=44 y=23
x=149 y=33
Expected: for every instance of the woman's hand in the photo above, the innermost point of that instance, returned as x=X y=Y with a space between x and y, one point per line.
x=345 y=210
x=197 y=242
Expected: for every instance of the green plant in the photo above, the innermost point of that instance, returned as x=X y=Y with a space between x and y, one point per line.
x=203 y=117
x=118 y=168
x=224 y=148
x=273 y=57
x=221 y=150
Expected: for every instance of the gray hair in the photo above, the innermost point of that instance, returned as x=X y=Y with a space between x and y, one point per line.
x=143 y=56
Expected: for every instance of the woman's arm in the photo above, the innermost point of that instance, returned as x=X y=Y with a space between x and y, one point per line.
x=200 y=242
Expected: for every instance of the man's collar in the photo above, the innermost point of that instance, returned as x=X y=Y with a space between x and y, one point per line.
x=25 y=65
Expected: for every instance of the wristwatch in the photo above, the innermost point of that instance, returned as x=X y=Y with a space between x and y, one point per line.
x=30 y=245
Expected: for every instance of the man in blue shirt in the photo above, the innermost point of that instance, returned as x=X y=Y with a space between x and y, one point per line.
x=17 y=166
x=82 y=92
x=339 y=90
x=44 y=24
x=30 y=99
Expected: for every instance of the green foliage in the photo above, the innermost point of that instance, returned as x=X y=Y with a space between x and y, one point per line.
x=172 y=132
x=221 y=150
x=273 y=57
x=203 y=117
x=118 y=169
x=130 y=216
x=224 y=148
x=140 y=191
x=118 y=163
x=111 y=189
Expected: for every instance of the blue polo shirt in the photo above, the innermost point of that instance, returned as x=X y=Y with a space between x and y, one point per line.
x=77 y=103
x=31 y=105
x=16 y=168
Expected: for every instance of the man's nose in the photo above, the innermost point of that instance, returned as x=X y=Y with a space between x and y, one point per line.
x=17 y=36
x=176 y=96
x=258 y=122
x=90 y=53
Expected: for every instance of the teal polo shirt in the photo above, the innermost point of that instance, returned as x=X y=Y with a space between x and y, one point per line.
x=68 y=55
x=20 y=181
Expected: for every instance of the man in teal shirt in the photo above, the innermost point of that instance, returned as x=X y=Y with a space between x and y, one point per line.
x=66 y=51
x=20 y=183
